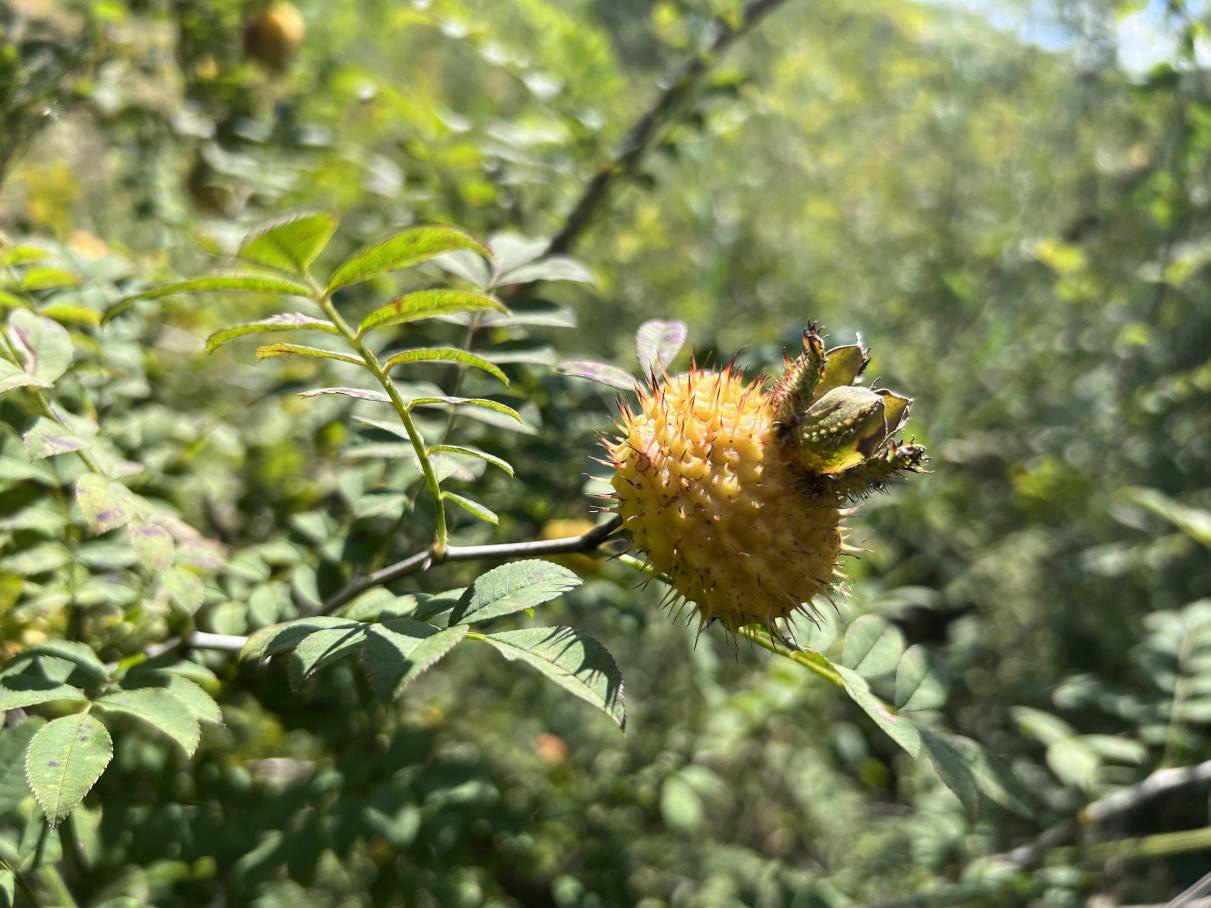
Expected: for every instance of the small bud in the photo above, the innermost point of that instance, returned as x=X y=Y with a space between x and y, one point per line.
x=797 y=388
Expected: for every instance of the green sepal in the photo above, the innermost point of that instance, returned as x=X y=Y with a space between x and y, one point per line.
x=842 y=366
x=796 y=389
x=876 y=473
x=840 y=430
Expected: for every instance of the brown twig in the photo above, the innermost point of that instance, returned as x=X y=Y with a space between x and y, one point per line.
x=640 y=136
x=423 y=560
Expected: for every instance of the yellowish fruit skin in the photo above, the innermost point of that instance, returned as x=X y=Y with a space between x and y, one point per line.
x=273 y=36
x=718 y=503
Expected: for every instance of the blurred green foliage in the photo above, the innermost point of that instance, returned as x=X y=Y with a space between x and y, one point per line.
x=1019 y=228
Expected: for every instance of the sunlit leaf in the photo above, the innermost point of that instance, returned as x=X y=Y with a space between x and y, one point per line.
x=444 y=355
x=291 y=243
x=992 y=775
x=80 y=654
x=499 y=462
x=22 y=255
x=189 y=693
x=43 y=345
x=47 y=278
x=70 y=313
x=63 y=762
x=918 y=685
x=551 y=317
x=466 y=265
x=34 y=678
x=512 y=588
x=602 y=373
x=474 y=508
x=323 y=647
x=160 y=710
x=106 y=504
x=273 y=350
x=817 y=631
x=358 y=393
x=556 y=268
x=184 y=588
x=424 y=304
x=1194 y=522
x=680 y=805
x=47 y=438
x=12 y=376
x=1074 y=762
x=494 y=405
x=657 y=344
x=153 y=545
x=234 y=282
x=1117 y=748
x=403 y=250
x=872 y=647
x=898 y=728
x=1041 y=726
x=286 y=321
x=287 y=635
x=430 y=606
x=574 y=661
x=535 y=356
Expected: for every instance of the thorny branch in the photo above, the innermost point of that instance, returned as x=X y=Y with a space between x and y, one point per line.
x=413 y=564
x=423 y=560
x=640 y=136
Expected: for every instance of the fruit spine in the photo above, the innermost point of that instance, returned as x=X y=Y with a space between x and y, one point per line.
x=736 y=493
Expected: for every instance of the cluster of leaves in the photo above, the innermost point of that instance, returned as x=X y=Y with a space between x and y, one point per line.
x=396 y=638
x=1034 y=279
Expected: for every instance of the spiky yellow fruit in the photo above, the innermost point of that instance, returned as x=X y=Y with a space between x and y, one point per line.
x=736 y=493
x=708 y=492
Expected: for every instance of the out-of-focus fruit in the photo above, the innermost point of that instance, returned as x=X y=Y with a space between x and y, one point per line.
x=273 y=36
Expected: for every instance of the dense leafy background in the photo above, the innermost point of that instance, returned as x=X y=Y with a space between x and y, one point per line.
x=1017 y=224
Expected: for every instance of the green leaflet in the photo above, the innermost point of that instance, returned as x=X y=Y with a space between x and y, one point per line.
x=466 y=401
x=512 y=588
x=272 y=350
x=427 y=304
x=159 y=709
x=402 y=250
x=474 y=508
x=63 y=762
x=286 y=321
x=574 y=661
x=445 y=355
x=291 y=243
x=499 y=462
